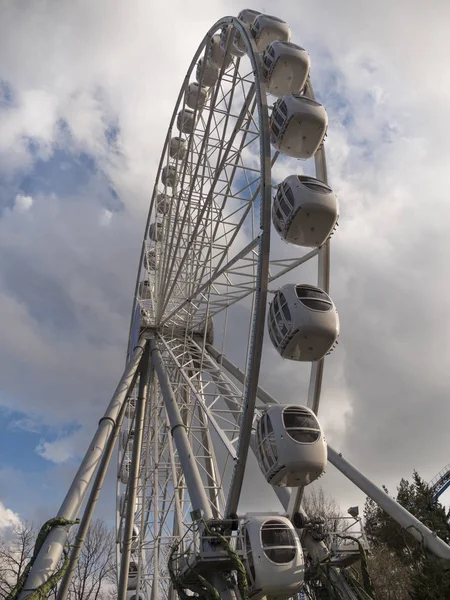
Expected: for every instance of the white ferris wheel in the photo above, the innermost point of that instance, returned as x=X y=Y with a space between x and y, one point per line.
x=246 y=106
x=236 y=247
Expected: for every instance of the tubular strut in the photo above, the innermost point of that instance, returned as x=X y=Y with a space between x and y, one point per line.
x=405 y=519
x=146 y=372
x=51 y=550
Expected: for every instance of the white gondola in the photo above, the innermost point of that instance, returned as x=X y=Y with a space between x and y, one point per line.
x=305 y=211
x=298 y=126
x=206 y=74
x=123 y=503
x=178 y=147
x=232 y=49
x=303 y=322
x=125 y=471
x=169 y=176
x=163 y=204
x=247 y=16
x=273 y=557
x=126 y=440
x=135 y=596
x=155 y=231
x=196 y=95
x=186 y=121
x=266 y=29
x=134 y=539
x=286 y=68
x=131 y=408
x=145 y=290
x=133 y=573
x=291 y=447
x=150 y=260
x=216 y=55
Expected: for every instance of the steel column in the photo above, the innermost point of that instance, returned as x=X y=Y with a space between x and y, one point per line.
x=51 y=550
x=91 y=504
x=405 y=519
x=134 y=476
x=197 y=494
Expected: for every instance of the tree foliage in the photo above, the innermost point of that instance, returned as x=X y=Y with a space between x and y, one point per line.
x=397 y=557
x=93 y=576
x=15 y=552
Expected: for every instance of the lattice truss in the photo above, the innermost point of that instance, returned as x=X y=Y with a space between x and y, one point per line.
x=207 y=257
x=210 y=405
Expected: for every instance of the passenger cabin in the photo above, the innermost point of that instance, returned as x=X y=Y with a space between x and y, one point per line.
x=196 y=95
x=134 y=539
x=126 y=440
x=125 y=471
x=216 y=54
x=186 y=121
x=303 y=322
x=133 y=572
x=131 y=408
x=305 y=211
x=285 y=67
x=178 y=147
x=155 y=231
x=169 y=176
x=291 y=447
x=247 y=16
x=266 y=29
x=145 y=290
x=206 y=74
x=163 y=204
x=150 y=260
x=229 y=30
x=133 y=595
x=298 y=126
x=273 y=557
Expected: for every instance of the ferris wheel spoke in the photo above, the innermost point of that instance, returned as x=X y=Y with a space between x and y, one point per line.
x=204 y=137
x=196 y=420
x=201 y=213
x=233 y=227
x=223 y=402
x=228 y=148
x=200 y=395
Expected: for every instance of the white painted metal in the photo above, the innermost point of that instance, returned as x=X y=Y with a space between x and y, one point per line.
x=53 y=546
x=206 y=74
x=305 y=211
x=298 y=126
x=178 y=146
x=273 y=556
x=195 y=97
x=290 y=446
x=217 y=55
x=286 y=68
x=303 y=322
x=266 y=29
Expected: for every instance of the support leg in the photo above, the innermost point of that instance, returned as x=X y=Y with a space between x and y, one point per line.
x=51 y=550
x=134 y=477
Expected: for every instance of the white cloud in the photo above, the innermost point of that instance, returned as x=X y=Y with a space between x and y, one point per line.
x=23 y=203
x=105 y=217
x=8 y=518
x=63 y=449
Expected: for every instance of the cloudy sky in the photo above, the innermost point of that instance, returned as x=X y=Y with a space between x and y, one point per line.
x=86 y=91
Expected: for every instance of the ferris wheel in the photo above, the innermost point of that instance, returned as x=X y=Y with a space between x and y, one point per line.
x=236 y=245
x=228 y=180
